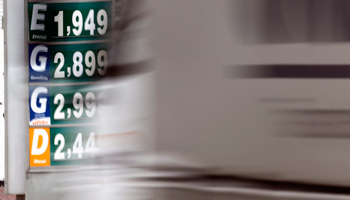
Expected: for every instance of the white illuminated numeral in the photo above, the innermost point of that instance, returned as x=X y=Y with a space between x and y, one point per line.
x=59 y=98
x=89 y=23
x=102 y=21
x=59 y=19
x=90 y=102
x=90 y=144
x=58 y=72
x=78 y=145
x=78 y=103
x=58 y=154
x=77 y=20
x=100 y=98
x=78 y=68
x=102 y=61
x=90 y=62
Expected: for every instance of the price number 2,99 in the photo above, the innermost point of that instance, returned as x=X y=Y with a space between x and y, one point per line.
x=87 y=103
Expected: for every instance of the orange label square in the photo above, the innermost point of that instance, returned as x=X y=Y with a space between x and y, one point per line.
x=39 y=147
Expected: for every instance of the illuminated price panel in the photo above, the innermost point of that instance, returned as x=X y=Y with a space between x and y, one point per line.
x=67 y=63
x=58 y=22
x=62 y=146
x=60 y=105
x=68 y=47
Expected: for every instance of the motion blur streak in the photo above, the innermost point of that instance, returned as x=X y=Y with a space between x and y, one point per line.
x=289 y=71
x=126 y=128
x=285 y=21
x=250 y=101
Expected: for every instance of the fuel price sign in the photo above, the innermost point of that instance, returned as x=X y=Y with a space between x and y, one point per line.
x=57 y=22
x=59 y=105
x=67 y=63
x=68 y=47
x=62 y=146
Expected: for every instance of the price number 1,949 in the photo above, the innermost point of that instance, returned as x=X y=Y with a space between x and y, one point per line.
x=80 y=23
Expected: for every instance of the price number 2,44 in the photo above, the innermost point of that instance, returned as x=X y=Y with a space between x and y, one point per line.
x=78 y=148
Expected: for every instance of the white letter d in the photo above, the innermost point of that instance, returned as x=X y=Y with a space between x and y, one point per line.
x=35 y=149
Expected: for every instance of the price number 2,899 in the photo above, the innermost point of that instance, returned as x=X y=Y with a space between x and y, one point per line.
x=80 y=62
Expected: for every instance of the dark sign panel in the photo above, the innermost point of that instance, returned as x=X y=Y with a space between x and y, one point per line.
x=58 y=22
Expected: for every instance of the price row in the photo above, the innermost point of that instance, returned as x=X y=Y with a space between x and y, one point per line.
x=58 y=146
x=65 y=104
x=69 y=21
x=62 y=63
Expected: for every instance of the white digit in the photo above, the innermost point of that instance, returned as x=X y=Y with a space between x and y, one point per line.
x=89 y=22
x=78 y=68
x=58 y=72
x=78 y=104
x=90 y=64
x=102 y=60
x=77 y=22
x=100 y=99
x=90 y=104
x=58 y=154
x=78 y=145
x=58 y=114
x=102 y=20
x=59 y=19
x=90 y=144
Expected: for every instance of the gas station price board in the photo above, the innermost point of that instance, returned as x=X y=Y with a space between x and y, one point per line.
x=62 y=146
x=58 y=22
x=67 y=63
x=61 y=105
x=68 y=47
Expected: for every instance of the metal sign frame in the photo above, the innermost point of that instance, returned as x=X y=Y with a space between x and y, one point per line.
x=16 y=94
